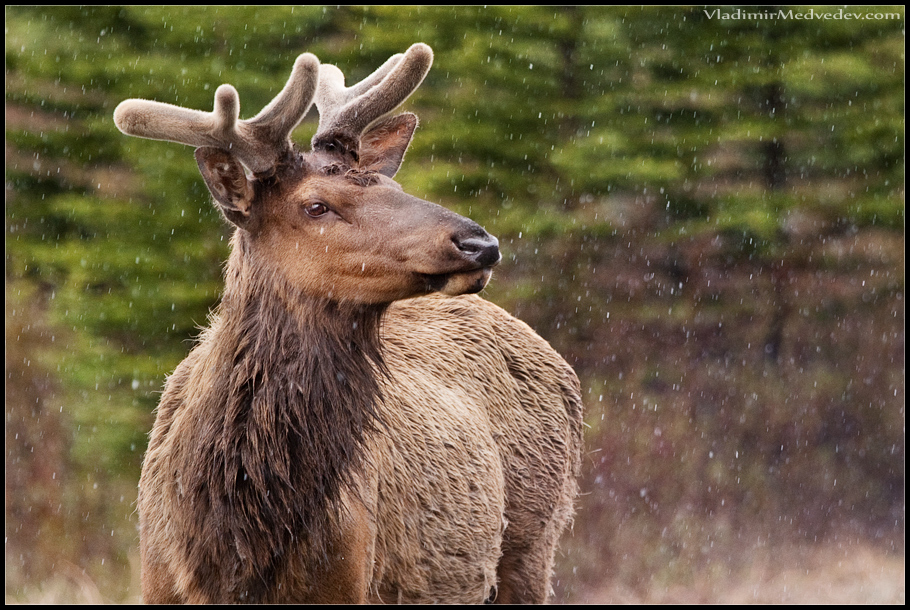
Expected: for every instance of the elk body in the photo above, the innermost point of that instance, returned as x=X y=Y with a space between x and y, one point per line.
x=355 y=424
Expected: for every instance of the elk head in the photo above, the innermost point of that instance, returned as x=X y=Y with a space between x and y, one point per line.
x=332 y=221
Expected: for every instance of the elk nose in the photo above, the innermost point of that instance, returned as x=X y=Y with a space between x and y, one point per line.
x=481 y=248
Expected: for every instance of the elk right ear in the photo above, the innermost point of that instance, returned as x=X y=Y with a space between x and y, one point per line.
x=227 y=182
x=382 y=148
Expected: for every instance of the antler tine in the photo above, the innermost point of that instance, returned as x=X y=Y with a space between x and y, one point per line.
x=260 y=143
x=346 y=112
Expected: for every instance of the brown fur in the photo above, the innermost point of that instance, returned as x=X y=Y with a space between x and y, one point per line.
x=259 y=431
x=467 y=484
x=340 y=433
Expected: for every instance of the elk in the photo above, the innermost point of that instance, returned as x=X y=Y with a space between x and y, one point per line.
x=355 y=424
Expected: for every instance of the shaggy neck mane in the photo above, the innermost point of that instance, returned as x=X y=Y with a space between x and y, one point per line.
x=294 y=405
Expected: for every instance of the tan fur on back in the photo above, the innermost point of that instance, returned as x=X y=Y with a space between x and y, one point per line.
x=496 y=447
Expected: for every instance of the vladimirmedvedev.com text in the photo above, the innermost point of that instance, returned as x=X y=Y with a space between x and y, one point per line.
x=791 y=14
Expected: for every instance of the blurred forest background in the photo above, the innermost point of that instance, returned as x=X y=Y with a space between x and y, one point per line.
x=703 y=212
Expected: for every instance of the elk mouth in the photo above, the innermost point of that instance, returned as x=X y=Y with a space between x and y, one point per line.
x=476 y=253
x=456 y=283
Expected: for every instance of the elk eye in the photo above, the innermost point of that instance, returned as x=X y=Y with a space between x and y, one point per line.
x=315 y=209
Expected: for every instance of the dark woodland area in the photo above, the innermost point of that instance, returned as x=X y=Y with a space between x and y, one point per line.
x=701 y=209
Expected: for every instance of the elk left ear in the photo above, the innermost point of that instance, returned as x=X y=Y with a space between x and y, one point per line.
x=383 y=146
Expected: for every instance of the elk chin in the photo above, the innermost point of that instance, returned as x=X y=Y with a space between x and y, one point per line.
x=454 y=284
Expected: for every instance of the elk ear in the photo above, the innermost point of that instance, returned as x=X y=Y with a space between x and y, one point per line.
x=227 y=182
x=383 y=146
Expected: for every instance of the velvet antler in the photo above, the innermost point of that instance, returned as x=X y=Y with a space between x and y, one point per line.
x=260 y=143
x=345 y=113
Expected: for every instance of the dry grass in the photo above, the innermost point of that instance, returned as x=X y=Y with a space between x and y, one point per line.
x=70 y=584
x=824 y=574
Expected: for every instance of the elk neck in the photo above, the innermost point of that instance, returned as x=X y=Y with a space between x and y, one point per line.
x=301 y=385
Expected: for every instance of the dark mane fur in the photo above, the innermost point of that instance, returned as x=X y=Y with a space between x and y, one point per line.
x=282 y=433
x=353 y=175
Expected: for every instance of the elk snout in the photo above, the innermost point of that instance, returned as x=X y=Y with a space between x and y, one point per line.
x=482 y=249
x=476 y=253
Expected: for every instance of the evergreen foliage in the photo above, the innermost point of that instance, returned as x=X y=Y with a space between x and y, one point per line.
x=681 y=143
